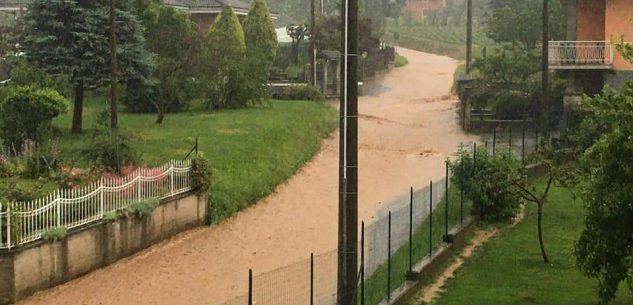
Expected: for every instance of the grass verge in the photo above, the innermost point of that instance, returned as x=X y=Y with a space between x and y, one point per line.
x=251 y=151
x=509 y=269
x=400 y=61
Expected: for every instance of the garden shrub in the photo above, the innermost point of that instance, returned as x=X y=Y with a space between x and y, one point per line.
x=200 y=174
x=491 y=182
x=301 y=92
x=42 y=161
x=110 y=149
x=11 y=191
x=27 y=113
x=144 y=208
x=54 y=234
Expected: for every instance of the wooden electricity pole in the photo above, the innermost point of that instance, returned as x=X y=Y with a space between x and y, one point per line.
x=469 y=37
x=113 y=68
x=348 y=158
x=544 y=109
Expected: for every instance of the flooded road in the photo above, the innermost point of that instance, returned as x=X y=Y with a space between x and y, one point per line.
x=406 y=131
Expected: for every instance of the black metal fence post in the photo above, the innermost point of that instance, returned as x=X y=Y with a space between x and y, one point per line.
x=389 y=260
x=311 y=278
x=523 y=144
x=474 y=157
x=411 y=231
x=431 y=219
x=536 y=139
x=494 y=140
x=461 y=194
x=362 y=263
x=446 y=238
x=510 y=140
x=250 y=286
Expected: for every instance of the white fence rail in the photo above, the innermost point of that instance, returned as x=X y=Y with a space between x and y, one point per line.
x=23 y=222
x=580 y=53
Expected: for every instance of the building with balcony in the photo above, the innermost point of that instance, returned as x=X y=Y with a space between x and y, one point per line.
x=588 y=58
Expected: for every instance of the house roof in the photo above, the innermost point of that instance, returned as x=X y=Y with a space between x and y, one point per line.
x=208 y=6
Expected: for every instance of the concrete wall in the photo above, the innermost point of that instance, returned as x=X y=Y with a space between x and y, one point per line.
x=618 y=24
x=42 y=265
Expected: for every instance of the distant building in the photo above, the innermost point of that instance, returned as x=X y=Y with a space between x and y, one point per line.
x=588 y=56
x=418 y=8
x=203 y=12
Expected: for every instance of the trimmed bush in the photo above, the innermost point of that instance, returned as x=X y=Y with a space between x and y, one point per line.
x=301 y=92
x=27 y=113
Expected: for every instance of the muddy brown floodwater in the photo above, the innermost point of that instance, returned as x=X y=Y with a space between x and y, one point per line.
x=406 y=131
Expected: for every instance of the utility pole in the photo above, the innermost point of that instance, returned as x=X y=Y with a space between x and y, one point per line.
x=313 y=42
x=469 y=37
x=113 y=68
x=348 y=159
x=544 y=109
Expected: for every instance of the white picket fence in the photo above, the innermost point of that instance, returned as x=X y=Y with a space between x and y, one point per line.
x=71 y=208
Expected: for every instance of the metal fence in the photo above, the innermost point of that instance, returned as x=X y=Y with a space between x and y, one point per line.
x=409 y=230
x=23 y=222
x=577 y=53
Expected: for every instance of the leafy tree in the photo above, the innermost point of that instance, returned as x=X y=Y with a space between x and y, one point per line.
x=604 y=250
x=491 y=181
x=521 y=21
x=225 y=57
x=27 y=114
x=297 y=33
x=72 y=37
x=261 y=48
x=172 y=36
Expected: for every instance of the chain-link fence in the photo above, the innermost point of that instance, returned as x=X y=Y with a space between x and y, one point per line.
x=521 y=141
x=409 y=230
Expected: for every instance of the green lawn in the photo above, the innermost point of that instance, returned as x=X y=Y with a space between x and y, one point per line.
x=251 y=150
x=441 y=40
x=509 y=269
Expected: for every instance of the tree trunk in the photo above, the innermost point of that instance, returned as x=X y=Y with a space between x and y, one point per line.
x=540 y=232
x=114 y=119
x=78 y=107
x=295 y=52
x=160 y=115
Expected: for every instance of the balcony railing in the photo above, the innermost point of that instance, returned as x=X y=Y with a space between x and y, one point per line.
x=580 y=55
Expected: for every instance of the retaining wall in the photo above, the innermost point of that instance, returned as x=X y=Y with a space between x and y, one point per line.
x=42 y=265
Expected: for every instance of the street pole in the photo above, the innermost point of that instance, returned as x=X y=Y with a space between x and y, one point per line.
x=348 y=170
x=313 y=42
x=469 y=37
x=545 y=66
x=113 y=68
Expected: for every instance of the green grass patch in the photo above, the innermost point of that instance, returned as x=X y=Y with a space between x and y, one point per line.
x=251 y=151
x=400 y=61
x=509 y=269
x=376 y=284
x=441 y=40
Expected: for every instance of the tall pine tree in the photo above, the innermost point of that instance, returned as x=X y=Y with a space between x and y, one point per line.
x=226 y=52
x=261 y=48
x=72 y=38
